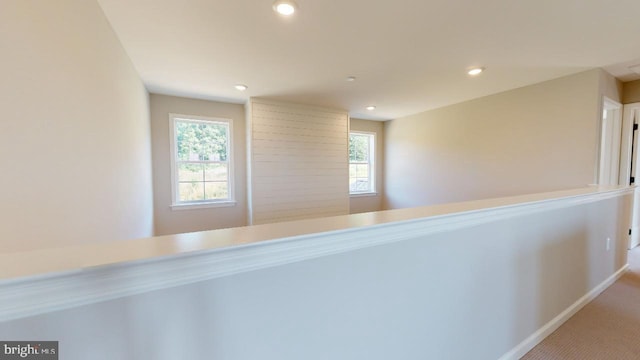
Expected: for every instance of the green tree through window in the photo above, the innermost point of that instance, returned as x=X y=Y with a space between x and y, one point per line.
x=201 y=141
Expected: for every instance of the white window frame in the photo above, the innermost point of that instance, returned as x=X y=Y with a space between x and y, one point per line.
x=372 y=164
x=176 y=204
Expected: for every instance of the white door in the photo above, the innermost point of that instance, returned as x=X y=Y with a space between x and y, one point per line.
x=610 y=141
x=629 y=165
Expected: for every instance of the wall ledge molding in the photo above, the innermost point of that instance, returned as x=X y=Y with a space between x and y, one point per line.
x=33 y=295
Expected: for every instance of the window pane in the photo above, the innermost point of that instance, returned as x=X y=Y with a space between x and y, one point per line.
x=215 y=172
x=363 y=152
x=200 y=141
x=216 y=190
x=362 y=170
x=362 y=185
x=190 y=172
x=352 y=170
x=192 y=191
x=353 y=145
x=358 y=147
x=352 y=184
x=361 y=162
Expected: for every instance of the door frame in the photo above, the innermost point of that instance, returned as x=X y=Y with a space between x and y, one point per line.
x=610 y=158
x=628 y=154
x=629 y=117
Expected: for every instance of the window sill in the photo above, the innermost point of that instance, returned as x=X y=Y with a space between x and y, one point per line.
x=206 y=205
x=356 y=195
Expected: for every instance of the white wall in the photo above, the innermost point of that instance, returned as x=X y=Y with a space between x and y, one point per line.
x=168 y=221
x=537 y=138
x=359 y=204
x=487 y=286
x=74 y=139
x=299 y=162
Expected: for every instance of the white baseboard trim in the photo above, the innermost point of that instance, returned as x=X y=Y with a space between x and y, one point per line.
x=529 y=343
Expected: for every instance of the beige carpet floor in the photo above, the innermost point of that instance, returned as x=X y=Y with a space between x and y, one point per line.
x=606 y=328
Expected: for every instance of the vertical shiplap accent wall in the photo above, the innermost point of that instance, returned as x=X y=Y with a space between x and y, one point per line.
x=298 y=160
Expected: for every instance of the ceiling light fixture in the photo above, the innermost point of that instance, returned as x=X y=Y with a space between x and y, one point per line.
x=371 y=108
x=241 y=87
x=285 y=7
x=351 y=78
x=475 y=71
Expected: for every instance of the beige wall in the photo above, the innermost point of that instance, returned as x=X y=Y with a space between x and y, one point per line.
x=631 y=92
x=533 y=139
x=168 y=221
x=74 y=139
x=359 y=204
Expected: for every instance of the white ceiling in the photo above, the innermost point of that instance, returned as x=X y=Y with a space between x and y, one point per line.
x=408 y=55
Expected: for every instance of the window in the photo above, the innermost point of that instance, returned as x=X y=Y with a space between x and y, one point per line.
x=361 y=163
x=201 y=161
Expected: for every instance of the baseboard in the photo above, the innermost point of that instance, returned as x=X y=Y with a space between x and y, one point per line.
x=521 y=349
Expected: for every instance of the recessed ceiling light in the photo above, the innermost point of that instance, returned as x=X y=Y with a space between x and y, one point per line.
x=285 y=7
x=475 y=71
x=241 y=87
x=371 y=108
x=351 y=78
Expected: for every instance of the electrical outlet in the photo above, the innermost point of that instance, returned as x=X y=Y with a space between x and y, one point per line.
x=608 y=244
